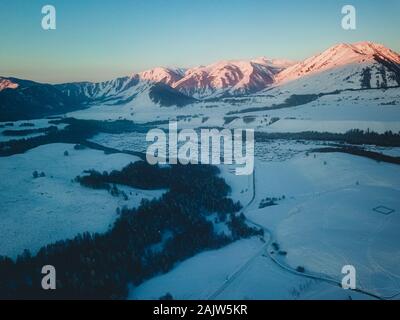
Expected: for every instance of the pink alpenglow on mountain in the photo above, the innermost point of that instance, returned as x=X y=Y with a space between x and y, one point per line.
x=362 y=53
x=7 y=84
x=168 y=76
x=227 y=77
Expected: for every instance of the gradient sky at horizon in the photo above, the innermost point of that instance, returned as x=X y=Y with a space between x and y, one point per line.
x=100 y=40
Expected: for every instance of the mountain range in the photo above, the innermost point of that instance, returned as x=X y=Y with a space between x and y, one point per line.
x=358 y=66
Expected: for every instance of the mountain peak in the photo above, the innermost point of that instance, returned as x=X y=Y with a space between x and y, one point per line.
x=337 y=56
x=368 y=45
x=276 y=63
x=6 y=83
x=376 y=49
x=226 y=77
x=160 y=74
x=366 y=48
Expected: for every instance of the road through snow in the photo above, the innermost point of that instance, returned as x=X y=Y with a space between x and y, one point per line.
x=266 y=252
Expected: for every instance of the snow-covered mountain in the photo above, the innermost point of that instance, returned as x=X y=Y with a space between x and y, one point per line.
x=361 y=65
x=127 y=90
x=356 y=66
x=168 y=76
x=6 y=83
x=24 y=99
x=227 y=78
x=215 y=80
x=101 y=91
x=344 y=66
x=221 y=78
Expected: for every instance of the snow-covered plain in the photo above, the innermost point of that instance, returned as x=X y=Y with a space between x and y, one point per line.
x=327 y=220
x=200 y=276
x=36 y=212
x=205 y=274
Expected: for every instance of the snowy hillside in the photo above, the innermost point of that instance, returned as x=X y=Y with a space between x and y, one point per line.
x=148 y=87
x=344 y=66
x=101 y=90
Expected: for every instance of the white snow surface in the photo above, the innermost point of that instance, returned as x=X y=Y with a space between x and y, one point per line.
x=36 y=212
x=327 y=220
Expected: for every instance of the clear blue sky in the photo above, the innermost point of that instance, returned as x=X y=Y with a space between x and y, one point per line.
x=98 y=40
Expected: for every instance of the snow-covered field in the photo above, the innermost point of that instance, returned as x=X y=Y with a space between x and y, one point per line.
x=341 y=228
x=327 y=220
x=36 y=212
x=200 y=276
x=205 y=274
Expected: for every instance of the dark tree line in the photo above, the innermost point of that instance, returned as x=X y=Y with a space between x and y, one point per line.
x=100 y=266
x=75 y=132
x=355 y=136
x=180 y=180
x=360 y=152
x=26 y=132
x=138 y=175
x=366 y=78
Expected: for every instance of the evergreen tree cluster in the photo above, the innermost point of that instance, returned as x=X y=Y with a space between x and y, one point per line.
x=355 y=136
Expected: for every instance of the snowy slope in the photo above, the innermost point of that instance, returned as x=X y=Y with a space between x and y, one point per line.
x=128 y=91
x=101 y=90
x=344 y=66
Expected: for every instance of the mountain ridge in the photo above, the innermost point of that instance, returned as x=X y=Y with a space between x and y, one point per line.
x=360 y=65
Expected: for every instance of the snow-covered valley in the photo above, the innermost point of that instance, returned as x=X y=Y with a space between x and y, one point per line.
x=319 y=210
